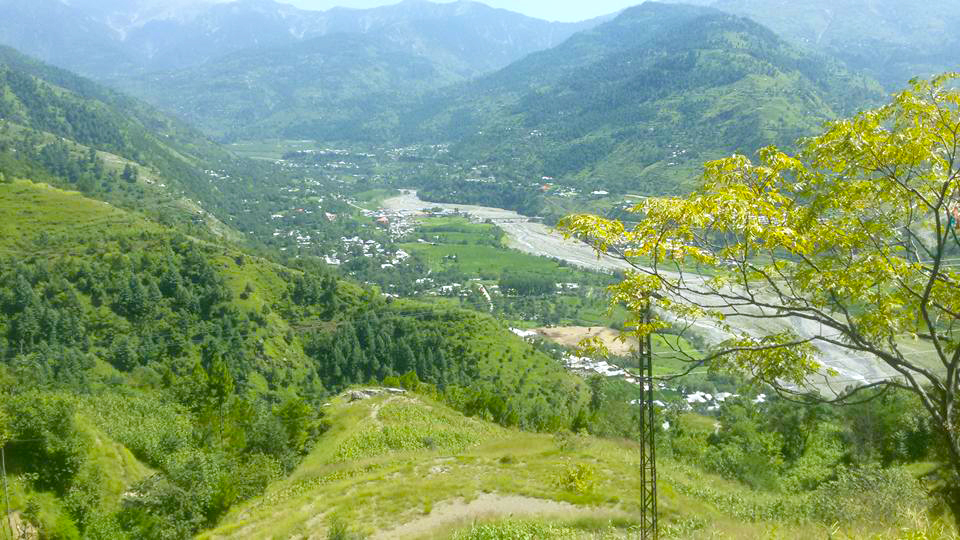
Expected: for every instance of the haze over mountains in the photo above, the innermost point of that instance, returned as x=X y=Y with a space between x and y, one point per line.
x=104 y=39
x=638 y=98
x=892 y=40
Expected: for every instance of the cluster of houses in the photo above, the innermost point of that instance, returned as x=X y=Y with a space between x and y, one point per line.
x=359 y=247
x=400 y=223
x=583 y=364
x=694 y=401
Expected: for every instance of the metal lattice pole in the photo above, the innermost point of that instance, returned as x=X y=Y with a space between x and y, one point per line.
x=648 y=431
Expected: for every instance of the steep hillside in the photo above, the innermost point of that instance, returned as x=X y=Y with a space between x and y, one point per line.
x=208 y=363
x=61 y=128
x=641 y=102
x=893 y=40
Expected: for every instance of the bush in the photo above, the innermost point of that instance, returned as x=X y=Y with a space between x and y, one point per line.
x=580 y=478
x=514 y=530
x=52 y=447
x=867 y=495
x=339 y=530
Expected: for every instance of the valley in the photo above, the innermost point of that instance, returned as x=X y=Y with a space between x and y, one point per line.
x=524 y=233
x=355 y=273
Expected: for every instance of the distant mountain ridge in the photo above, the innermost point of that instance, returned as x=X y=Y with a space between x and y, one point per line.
x=892 y=40
x=323 y=86
x=641 y=101
x=108 y=38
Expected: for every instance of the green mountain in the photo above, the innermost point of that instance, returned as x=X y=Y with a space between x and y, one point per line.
x=641 y=102
x=69 y=131
x=348 y=64
x=892 y=40
x=320 y=86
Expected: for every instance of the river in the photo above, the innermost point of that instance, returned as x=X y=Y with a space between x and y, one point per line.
x=538 y=239
x=523 y=234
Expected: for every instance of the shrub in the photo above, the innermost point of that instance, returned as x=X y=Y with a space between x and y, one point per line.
x=339 y=530
x=580 y=478
x=514 y=530
x=869 y=494
x=52 y=446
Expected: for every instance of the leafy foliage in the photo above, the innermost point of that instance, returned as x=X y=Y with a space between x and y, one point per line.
x=852 y=234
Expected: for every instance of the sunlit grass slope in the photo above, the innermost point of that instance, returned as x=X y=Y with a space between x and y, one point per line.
x=404 y=466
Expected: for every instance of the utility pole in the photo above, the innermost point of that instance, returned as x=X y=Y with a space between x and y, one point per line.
x=648 y=431
x=6 y=492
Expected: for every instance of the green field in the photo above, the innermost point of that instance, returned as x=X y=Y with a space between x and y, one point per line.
x=372 y=199
x=473 y=249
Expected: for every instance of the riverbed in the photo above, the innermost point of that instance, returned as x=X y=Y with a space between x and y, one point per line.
x=523 y=234
x=539 y=239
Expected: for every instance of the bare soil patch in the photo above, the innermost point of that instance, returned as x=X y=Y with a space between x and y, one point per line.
x=570 y=336
x=457 y=513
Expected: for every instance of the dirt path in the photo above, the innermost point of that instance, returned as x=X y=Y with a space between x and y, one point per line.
x=461 y=513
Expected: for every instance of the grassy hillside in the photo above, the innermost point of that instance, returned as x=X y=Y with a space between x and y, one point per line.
x=641 y=102
x=405 y=466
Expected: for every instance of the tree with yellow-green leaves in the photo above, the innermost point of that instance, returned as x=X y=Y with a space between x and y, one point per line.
x=849 y=249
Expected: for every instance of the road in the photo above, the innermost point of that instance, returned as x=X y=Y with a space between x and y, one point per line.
x=538 y=239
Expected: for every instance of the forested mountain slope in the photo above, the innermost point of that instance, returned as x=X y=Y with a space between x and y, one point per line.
x=209 y=364
x=469 y=36
x=641 y=102
x=892 y=40
x=343 y=66
x=317 y=88
x=61 y=128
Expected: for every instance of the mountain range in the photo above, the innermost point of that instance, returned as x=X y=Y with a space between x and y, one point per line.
x=640 y=102
x=633 y=101
x=891 y=40
x=105 y=38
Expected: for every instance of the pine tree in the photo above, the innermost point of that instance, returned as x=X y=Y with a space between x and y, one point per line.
x=220 y=386
x=130 y=173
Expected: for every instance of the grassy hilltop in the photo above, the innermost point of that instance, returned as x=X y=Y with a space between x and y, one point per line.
x=405 y=466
